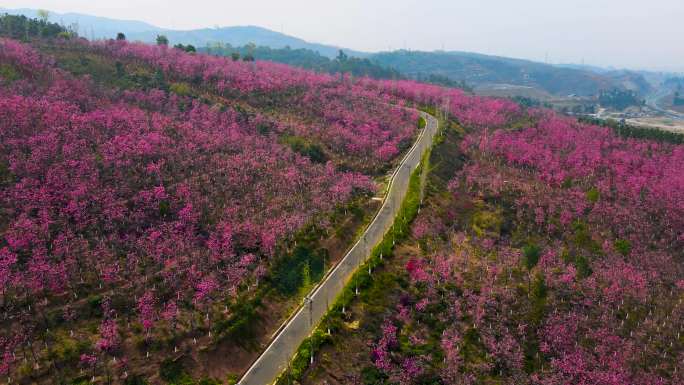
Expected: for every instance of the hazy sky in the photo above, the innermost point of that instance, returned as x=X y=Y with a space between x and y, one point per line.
x=622 y=33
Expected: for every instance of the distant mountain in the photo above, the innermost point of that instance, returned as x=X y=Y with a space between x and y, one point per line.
x=492 y=73
x=306 y=58
x=99 y=27
x=484 y=71
x=584 y=67
x=241 y=35
x=104 y=28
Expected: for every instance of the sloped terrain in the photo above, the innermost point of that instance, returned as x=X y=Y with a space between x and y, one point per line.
x=153 y=201
x=548 y=252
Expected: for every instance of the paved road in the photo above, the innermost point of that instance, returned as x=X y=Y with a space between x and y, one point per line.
x=278 y=354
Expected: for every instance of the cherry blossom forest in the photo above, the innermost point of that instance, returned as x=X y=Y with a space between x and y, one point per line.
x=547 y=252
x=145 y=191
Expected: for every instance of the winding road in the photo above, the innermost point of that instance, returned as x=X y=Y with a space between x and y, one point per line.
x=275 y=358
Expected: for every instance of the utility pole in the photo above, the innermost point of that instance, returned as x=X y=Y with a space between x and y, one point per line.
x=310 y=301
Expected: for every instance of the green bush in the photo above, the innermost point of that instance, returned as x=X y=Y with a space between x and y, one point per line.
x=370 y=375
x=422 y=123
x=5 y=173
x=135 y=380
x=240 y=327
x=539 y=289
x=533 y=355
x=232 y=379
x=304 y=266
x=531 y=254
x=209 y=381
x=582 y=265
x=486 y=223
x=170 y=370
x=182 y=89
x=582 y=237
x=68 y=350
x=593 y=195
x=94 y=307
x=164 y=208
x=567 y=183
x=301 y=146
x=8 y=73
x=622 y=246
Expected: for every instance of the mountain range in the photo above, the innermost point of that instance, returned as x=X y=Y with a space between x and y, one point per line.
x=486 y=70
x=97 y=27
x=480 y=71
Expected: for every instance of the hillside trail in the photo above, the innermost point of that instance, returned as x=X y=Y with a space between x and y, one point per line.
x=275 y=358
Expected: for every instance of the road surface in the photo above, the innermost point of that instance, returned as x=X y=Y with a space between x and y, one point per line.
x=279 y=352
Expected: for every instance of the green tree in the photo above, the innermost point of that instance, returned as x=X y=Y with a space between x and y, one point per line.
x=623 y=246
x=120 y=36
x=593 y=195
x=342 y=57
x=43 y=15
x=531 y=254
x=162 y=40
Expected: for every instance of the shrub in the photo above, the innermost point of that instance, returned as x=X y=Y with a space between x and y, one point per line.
x=232 y=379
x=313 y=151
x=486 y=222
x=593 y=195
x=182 y=89
x=135 y=380
x=209 y=381
x=170 y=370
x=8 y=73
x=583 y=268
x=422 y=123
x=622 y=246
x=370 y=375
x=531 y=253
x=303 y=264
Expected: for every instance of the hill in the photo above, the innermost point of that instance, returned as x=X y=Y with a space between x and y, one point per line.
x=160 y=208
x=105 y=28
x=240 y=35
x=547 y=251
x=162 y=212
x=518 y=77
x=484 y=71
x=100 y=27
x=305 y=58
